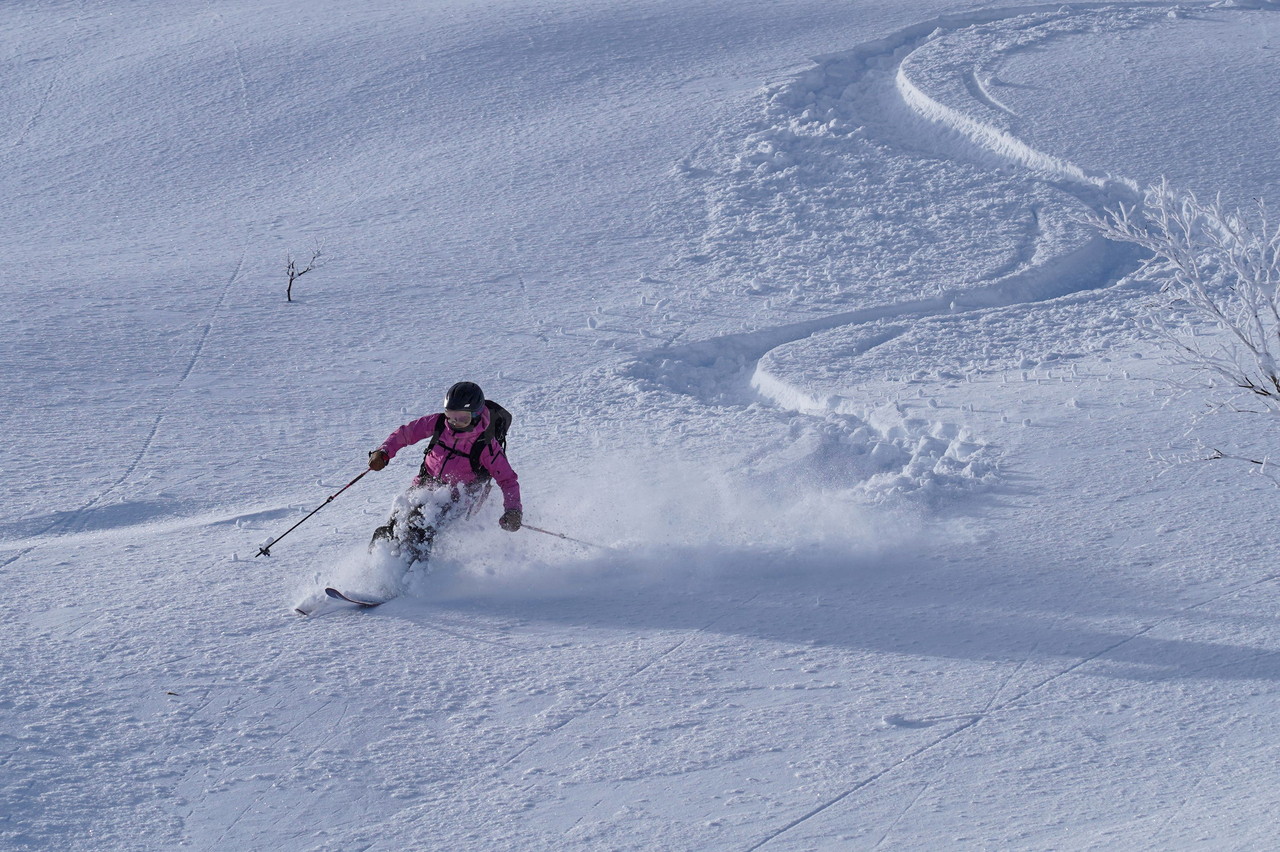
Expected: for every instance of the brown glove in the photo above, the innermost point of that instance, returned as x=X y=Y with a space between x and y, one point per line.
x=377 y=460
x=511 y=520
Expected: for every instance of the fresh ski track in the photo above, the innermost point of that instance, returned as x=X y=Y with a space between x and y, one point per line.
x=905 y=108
x=1095 y=264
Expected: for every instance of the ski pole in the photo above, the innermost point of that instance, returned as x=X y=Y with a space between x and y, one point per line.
x=563 y=536
x=265 y=550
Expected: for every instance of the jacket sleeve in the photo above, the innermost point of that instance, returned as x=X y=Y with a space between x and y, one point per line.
x=495 y=461
x=409 y=433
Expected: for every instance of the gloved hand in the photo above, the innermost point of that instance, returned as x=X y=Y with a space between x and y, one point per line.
x=377 y=460
x=511 y=519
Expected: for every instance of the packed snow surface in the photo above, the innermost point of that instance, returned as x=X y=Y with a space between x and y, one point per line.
x=805 y=335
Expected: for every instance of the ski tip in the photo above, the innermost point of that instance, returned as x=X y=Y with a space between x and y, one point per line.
x=361 y=602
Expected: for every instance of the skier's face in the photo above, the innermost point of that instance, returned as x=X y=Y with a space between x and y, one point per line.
x=459 y=421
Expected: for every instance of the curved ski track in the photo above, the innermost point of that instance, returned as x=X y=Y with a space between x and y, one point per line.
x=905 y=115
x=1093 y=265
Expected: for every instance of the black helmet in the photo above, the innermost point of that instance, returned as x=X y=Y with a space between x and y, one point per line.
x=464 y=396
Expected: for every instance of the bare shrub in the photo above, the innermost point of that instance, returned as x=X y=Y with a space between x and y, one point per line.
x=1217 y=313
x=294 y=273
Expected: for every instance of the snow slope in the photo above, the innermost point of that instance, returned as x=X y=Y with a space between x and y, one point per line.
x=795 y=310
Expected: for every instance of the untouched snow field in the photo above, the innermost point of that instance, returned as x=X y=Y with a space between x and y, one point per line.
x=795 y=310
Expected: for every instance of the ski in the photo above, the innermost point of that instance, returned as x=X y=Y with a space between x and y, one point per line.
x=361 y=602
x=311 y=607
x=315 y=607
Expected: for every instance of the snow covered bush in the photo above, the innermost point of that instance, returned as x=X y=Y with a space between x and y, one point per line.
x=1214 y=266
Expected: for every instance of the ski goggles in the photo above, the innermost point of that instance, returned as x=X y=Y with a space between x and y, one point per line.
x=458 y=419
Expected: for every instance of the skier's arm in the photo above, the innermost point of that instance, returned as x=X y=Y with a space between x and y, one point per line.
x=409 y=433
x=495 y=461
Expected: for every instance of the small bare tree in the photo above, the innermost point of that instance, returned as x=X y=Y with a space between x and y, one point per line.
x=294 y=273
x=1215 y=267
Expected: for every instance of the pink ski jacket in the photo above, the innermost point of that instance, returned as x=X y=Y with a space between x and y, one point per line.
x=449 y=460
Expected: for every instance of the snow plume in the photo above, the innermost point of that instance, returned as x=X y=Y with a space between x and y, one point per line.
x=654 y=518
x=816 y=501
x=372 y=574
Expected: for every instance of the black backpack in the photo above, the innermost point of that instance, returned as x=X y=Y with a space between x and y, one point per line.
x=499 y=423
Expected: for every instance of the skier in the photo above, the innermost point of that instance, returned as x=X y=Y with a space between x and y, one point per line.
x=464 y=454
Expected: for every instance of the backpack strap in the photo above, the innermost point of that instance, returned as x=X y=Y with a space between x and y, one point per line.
x=436 y=433
x=435 y=439
x=478 y=448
